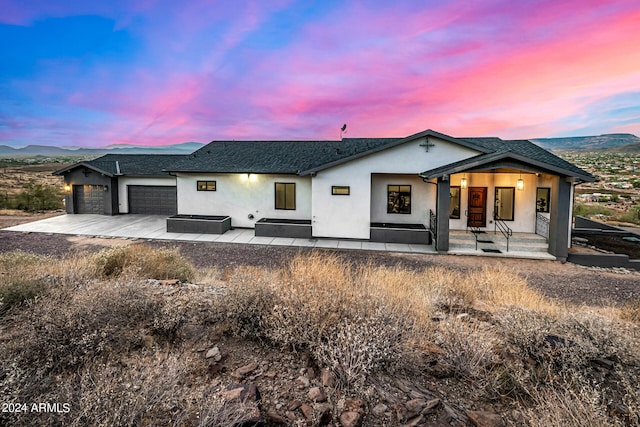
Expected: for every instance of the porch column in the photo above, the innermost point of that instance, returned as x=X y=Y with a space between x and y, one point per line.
x=442 y=214
x=560 y=218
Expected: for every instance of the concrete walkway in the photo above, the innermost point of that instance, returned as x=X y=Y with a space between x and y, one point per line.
x=154 y=227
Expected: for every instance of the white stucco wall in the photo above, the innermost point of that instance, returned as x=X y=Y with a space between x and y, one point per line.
x=525 y=200
x=423 y=198
x=350 y=216
x=123 y=182
x=238 y=196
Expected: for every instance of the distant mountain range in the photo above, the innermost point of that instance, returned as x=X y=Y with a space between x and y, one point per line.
x=44 y=150
x=615 y=142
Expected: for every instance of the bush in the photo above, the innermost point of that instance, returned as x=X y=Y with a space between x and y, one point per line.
x=143 y=261
x=22 y=279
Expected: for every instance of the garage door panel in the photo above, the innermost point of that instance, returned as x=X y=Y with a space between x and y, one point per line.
x=88 y=199
x=152 y=200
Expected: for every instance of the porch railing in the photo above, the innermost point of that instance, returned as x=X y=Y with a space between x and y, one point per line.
x=542 y=226
x=433 y=226
x=499 y=224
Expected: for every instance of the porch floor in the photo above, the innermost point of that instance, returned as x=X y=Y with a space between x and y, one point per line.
x=521 y=245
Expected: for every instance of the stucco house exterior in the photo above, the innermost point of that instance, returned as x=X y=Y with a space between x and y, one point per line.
x=417 y=189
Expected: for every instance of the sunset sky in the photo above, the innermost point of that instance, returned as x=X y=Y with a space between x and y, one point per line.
x=146 y=72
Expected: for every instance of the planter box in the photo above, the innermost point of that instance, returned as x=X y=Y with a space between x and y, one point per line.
x=400 y=233
x=200 y=224
x=296 y=228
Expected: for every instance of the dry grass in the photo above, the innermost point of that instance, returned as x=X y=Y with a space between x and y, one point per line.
x=488 y=331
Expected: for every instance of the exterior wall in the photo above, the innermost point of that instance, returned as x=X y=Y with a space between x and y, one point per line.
x=525 y=200
x=82 y=176
x=239 y=195
x=423 y=198
x=123 y=194
x=350 y=216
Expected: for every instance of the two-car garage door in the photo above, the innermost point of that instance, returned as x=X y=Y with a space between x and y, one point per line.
x=152 y=200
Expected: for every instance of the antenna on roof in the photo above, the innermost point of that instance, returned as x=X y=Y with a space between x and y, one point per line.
x=343 y=129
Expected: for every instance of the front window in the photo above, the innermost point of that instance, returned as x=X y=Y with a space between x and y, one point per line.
x=454 y=203
x=206 y=185
x=543 y=195
x=399 y=199
x=505 y=203
x=285 y=195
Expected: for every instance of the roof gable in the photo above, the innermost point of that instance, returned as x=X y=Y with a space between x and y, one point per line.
x=128 y=164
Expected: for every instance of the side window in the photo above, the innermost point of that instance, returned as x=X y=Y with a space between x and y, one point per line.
x=543 y=197
x=454 y=203
x=505 y=203
x=285 y=195
x=399 y=199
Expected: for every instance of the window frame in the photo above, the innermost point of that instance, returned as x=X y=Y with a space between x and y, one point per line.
x=206 y=185
x=275 y=195
x=389 y=209
x=548 y=199
x=513 y=205
x=459 y=188
x=335 y=188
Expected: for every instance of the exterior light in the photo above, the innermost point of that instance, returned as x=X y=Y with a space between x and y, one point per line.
x=463 y=183
x=520 y=183
x=105 y=188
x=67 y=188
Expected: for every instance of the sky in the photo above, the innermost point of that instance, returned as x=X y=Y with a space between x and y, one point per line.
x=146 y=72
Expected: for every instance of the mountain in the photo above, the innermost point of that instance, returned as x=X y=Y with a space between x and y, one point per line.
x=50 y=151
x=589 y=143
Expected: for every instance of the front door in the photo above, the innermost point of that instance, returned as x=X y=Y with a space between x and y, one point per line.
x=477 y=213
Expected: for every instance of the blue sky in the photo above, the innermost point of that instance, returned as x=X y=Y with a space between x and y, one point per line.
x=153 y=72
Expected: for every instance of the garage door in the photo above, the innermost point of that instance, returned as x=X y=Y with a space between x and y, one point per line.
x=88 y=199
x=152 y=200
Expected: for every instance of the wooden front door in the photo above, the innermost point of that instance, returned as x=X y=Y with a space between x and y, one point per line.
x=477 y=212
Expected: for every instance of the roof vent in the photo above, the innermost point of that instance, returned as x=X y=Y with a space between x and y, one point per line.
x=118 y=168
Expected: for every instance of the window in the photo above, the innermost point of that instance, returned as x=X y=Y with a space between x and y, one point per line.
x=543 y=196
x=340 y=190
x=505 y=202
x=206 y=186
x=454 y=203
x=399 y=199
x=285 y=195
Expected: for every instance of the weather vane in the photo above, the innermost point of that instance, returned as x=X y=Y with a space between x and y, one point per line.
x=343 y=129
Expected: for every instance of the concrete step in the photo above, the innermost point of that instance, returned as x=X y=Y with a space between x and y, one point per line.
x=516 y=243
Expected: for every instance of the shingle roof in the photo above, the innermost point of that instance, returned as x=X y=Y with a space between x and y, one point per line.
x=523 y=151
x=130 y=164
x=287 y=157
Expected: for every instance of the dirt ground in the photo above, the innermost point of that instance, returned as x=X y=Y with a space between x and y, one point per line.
x=565 y=282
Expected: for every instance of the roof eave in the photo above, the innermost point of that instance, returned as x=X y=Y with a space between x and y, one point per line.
x=77 y=165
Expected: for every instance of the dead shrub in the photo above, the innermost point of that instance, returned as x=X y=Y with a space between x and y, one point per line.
x=631 y=311
x=143 y=261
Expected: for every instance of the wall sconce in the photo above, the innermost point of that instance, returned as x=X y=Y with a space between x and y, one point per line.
x=105 y=188
x=463 y=182
x=520 y=183
x=67 y=188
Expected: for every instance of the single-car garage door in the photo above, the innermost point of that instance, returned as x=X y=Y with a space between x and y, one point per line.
x=88 y=199
x=152 y=200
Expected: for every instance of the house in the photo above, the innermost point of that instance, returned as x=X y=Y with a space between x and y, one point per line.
x=417 y=189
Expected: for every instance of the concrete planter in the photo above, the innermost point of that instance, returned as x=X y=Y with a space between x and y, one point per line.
x=271 y=227
x=199 y=224
x=400 y=233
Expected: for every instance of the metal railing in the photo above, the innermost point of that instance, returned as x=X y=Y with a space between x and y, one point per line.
x=433 y=226
x=499 y=224
x=542 y=226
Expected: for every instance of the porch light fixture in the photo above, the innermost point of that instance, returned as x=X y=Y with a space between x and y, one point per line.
x=463 y=182
x=105 y=188
x=520 y=183
x=67 y=188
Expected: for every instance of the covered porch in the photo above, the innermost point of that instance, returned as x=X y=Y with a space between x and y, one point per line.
x=502 y=203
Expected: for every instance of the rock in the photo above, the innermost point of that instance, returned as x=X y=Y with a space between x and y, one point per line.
x=379 y=409
x=295 y=405
x=355 y=405
x=270 y=374
x=350 y=419
x=170 y=282
x=323 y=413
x=414 y=407
x=401 y=412
x=303 y=381
x=307 y=411
x=214 y=353
x=316 y=394
x=430 y=407
x=415 y=421
x=327 y=378
x=244 y=370
x=485 y=419
x=243 y=392
x=274 y=418
x=245 y=399
x=311 y=373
